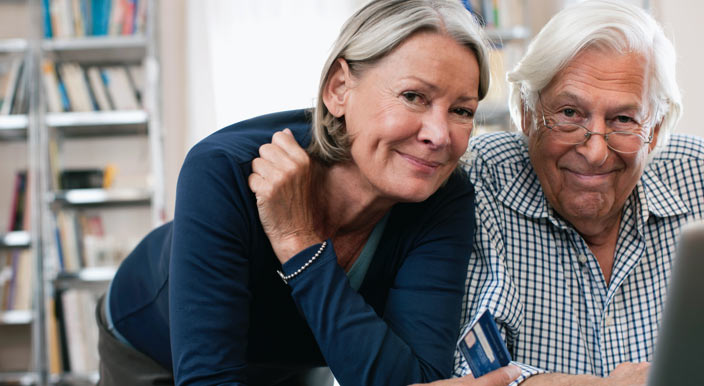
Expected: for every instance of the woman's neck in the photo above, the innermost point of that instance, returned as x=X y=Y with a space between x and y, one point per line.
x=347 y=205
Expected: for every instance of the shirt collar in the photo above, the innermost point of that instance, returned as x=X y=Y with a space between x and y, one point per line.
x=524 y=195
x=657 y=198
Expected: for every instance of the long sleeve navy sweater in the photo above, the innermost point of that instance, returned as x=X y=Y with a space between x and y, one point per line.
x=201 y=296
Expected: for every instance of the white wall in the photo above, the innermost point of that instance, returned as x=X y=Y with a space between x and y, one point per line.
x=254 y=57
x=682 y=21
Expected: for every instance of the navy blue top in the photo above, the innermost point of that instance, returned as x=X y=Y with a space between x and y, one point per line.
x=201 y=295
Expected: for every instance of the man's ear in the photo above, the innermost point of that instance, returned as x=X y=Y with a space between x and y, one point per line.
x=526 y=120
x=337 y=88
x=656 y=133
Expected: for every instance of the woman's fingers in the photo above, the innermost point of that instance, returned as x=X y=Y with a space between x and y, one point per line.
x=280 y=180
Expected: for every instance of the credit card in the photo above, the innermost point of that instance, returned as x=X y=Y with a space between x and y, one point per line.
x=483 y=347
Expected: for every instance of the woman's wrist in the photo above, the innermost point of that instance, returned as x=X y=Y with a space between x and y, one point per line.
x=287 y=247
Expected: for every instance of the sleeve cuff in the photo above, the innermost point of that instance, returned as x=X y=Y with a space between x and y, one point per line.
x=298 y=261
x=527 y=371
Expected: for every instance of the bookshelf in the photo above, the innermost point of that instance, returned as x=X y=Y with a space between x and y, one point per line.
x=19 y=326
x=119 y=137
x=90 y=227
x=507 y=29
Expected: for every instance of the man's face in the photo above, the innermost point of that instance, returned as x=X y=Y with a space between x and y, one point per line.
x=589 y=183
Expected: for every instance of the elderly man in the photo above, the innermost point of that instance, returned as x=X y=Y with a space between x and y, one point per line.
x=578 y=215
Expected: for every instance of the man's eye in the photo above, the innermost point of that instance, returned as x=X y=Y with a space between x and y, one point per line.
x=624 y=119
x=569 y=112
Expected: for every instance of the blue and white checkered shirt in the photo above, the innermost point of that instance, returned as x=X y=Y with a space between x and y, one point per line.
x=535 y=273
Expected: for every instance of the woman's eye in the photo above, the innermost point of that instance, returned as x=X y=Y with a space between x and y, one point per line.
x=413 y=97
x=465 y=113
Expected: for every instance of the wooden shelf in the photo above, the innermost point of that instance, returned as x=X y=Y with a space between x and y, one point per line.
x=93 y=197
x=96 y=278
x=97 y=49
x=17 y=239
x=16 y=317
x=100 y=123
x=18 y=378
x=8 y=46
x=71 y=379
x=13 y=127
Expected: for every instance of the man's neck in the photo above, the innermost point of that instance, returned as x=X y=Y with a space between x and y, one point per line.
x=601 y=238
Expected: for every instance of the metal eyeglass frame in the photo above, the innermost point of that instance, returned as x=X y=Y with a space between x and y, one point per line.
x=588 y=133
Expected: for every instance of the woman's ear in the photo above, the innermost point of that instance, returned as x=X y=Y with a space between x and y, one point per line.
x=337 y=87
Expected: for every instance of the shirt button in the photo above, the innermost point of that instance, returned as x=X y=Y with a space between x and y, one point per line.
x=582 y=258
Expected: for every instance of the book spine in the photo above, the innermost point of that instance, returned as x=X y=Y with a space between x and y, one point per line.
x=46 y=18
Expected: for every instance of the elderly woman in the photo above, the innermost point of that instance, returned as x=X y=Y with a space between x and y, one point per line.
x=363 y=214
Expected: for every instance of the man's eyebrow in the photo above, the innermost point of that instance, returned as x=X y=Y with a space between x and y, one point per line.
x=578 y=100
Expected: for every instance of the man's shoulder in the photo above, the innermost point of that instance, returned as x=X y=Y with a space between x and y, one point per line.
x=498 y=148
x=682 y=147
x=496 y=158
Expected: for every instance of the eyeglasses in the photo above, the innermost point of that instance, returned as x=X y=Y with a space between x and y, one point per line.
x=627 y=140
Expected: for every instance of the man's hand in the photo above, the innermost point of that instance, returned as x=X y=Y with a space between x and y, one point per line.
x=629 y=373
x=281 y=181
x=498 y=377
x=625 y=374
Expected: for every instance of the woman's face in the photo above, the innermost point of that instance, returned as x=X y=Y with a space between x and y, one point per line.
x=410 y=116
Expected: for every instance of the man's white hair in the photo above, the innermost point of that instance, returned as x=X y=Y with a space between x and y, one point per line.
x=612 y=25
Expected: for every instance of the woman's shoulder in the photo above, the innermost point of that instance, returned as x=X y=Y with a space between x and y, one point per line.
x=241 y=141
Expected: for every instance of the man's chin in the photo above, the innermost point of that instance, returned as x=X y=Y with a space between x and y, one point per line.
x=585 y=207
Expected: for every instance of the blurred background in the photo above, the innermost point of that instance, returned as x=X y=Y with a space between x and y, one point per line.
x=100 y=101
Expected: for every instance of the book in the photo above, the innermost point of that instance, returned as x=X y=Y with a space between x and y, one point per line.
x=52 y=91
x=136 y=77
x=100 y=14
x=129 y=13
x=12 y=81
x=53 y=338
x=46 y=19
x=116 y=18
x=81 y=330
x=20 y=102
x=98 y=88
x=68 y=241
x=22 y=293
x=5 y=278
x=122 y=95
x=76 y=87
x=141 y=17
x=78 y=18
x=19 y=200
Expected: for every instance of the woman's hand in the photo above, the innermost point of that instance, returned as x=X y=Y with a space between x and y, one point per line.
x=281 y=181
x=498 y=377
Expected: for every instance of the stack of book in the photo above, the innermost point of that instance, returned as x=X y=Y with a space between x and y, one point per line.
x=73 y=87
x=16 y=265
x=79 y=18
x=13 y=93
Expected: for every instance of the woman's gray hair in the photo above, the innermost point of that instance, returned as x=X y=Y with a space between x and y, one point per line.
x=371 y=34
x=604 y=24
